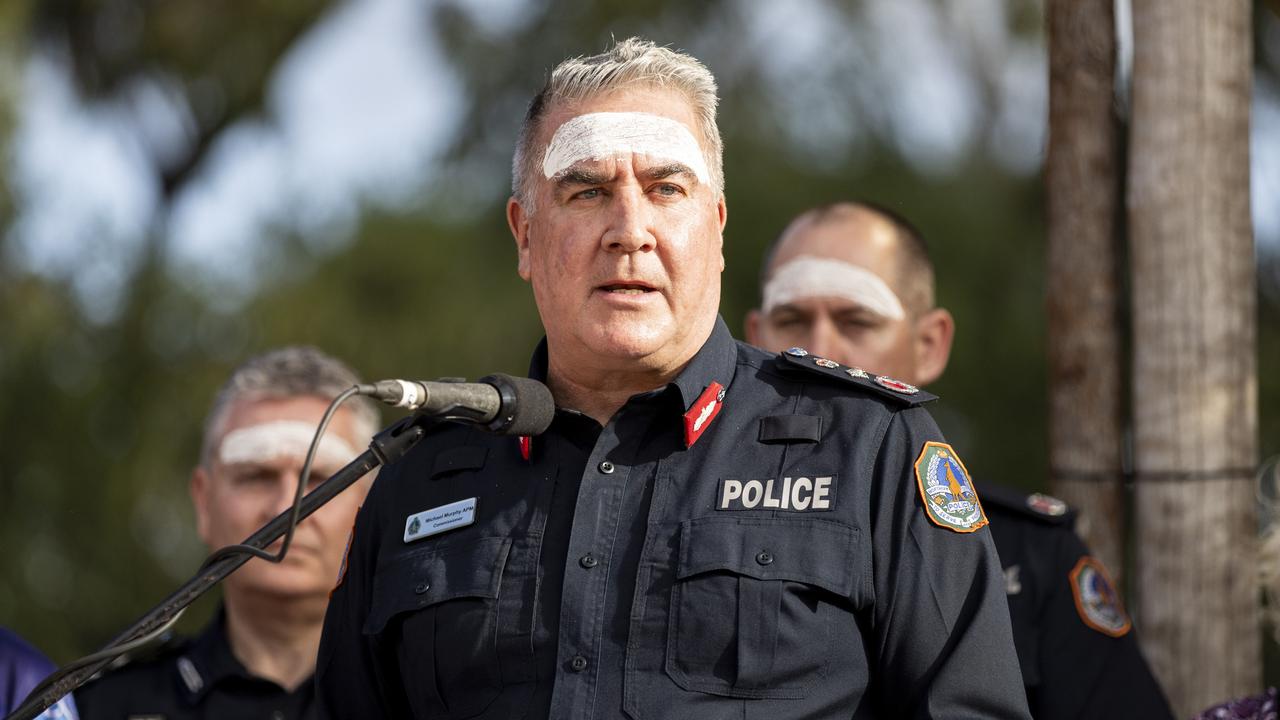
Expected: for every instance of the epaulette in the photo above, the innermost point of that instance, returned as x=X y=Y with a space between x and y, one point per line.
x=1038 y=506
x=799 y=358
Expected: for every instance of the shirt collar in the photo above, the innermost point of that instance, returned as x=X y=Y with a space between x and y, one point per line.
x=716 y=361
x=208 y=661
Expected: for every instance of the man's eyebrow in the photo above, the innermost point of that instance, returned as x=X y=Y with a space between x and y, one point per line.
x=666 y=170
x=581 y=176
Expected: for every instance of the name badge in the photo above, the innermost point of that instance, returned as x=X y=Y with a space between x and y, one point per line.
x=439 y=519
x=796 y=494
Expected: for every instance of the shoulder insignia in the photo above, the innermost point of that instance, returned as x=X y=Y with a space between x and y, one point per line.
x=346 y=557
x=801 y=359
x=1036 y=507
x=950 y=499
x=1046 y=505
x=191 y=677
x=1097 y=600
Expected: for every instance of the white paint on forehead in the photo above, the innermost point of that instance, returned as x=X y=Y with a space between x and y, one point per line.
x=807 y=277
x=597 y=136
x=282 y=439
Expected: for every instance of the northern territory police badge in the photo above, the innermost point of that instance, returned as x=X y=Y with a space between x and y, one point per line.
x=949 y=497
x=1097 y=600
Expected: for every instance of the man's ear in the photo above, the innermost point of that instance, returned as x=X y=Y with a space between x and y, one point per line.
x=934 y=332
x=518 y=221
x=752 y=326
x=199 y=488
x=723 y=210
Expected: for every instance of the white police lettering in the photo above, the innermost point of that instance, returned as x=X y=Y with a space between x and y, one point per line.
x=796 y=494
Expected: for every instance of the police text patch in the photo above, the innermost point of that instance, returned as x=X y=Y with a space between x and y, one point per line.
x=794 y=494
x=949 y=498
x=439 y=519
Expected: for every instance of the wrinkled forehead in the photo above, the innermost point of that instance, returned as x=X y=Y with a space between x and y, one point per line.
x=591 y=137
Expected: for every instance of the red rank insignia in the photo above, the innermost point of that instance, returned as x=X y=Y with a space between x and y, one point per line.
x=526 y=446
x=704 y=410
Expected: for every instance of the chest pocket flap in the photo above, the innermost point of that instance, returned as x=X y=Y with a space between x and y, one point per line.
x=434 y=574
x=814 y=552
x=757 y=602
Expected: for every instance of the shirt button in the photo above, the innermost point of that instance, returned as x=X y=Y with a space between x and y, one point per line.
x=578 y=663
x=421 y=587
x=588 y=561
x=606 y=467
x=764 y=557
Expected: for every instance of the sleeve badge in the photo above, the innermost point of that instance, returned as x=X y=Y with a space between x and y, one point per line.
x=1097 y=600
x=950 y=499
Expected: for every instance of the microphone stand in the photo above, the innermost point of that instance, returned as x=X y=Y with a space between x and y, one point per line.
x=386 y=447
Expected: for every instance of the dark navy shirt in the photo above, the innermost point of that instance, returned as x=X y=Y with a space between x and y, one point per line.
x=198 y=679
x=780 y=566
x=1071 y=669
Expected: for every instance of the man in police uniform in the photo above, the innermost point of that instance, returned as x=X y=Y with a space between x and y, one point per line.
x=705 y=530
x=853 y=282
x=256 y=659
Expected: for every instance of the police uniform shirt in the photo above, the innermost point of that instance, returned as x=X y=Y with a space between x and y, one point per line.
x=201 y=680
x=778 y=566
x=1076 y=663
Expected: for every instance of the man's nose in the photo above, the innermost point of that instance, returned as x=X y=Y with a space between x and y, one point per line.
x=628 y=229
x=825 y=341
x=286 y=488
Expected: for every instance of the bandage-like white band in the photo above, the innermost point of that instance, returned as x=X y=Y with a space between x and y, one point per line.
x=280 y=439
x=596 y=136
x=807 y=276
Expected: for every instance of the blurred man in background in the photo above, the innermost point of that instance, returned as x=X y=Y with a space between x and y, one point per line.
x=256 y=658
x=854 y=283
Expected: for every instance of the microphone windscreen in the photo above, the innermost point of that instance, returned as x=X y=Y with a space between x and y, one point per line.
x=526 y=401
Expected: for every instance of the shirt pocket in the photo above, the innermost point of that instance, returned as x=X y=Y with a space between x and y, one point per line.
x=754 y=602
x=436 y=608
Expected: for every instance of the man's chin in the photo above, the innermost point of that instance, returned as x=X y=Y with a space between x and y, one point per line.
x=282 y=584
x=630 y=339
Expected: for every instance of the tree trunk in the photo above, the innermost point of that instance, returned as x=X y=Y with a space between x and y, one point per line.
x=1085 y=400
x=1195 y=386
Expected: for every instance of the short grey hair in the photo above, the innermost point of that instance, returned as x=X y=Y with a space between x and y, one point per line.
x=287 y=372
x=633 y=62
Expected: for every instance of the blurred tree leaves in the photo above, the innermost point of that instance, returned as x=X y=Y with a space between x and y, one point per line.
x=211 y=60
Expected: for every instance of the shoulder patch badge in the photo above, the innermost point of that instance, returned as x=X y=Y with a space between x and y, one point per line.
x=346 y=557
x=1097 y=600
x=950 y=499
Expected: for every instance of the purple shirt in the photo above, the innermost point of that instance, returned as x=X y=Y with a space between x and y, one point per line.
x=22 y=667
x=1256 y=707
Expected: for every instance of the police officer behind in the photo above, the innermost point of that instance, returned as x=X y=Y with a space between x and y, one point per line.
x=256 y=659
x=705 y=530
x=854 y=282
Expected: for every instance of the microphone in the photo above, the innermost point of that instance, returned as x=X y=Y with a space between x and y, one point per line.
x=499 y=403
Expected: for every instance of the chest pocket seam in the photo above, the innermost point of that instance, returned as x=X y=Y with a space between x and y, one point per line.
x=433 y=575
x=812 y=551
